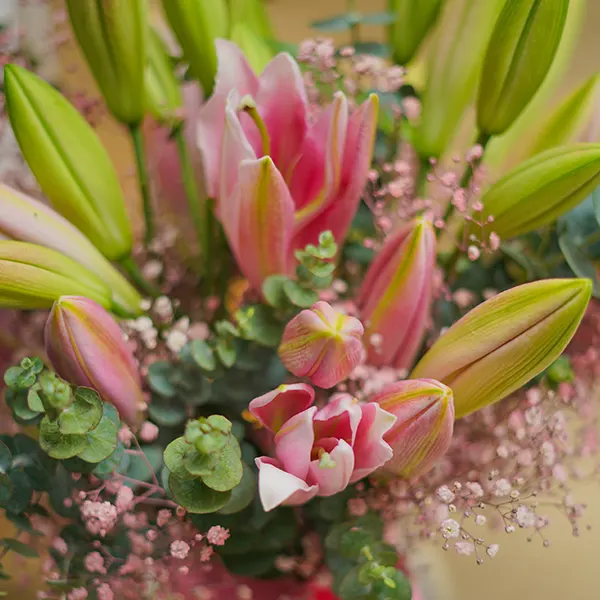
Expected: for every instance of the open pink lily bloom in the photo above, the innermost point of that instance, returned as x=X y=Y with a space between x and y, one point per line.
x=279 y=179
x=318 y=452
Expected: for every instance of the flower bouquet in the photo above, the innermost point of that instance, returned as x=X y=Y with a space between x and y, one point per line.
x=340 y=337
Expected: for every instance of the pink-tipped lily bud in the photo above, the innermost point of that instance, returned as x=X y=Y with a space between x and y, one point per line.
x=322 y=344
x=87 y=348
x=318 y=452
x=395 y=297
x=504 y=342
x=424 y=410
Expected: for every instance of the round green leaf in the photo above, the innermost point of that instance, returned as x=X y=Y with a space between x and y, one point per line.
x=199 y=465
x=166 y=412
x=203 y=355
x=196 y=497
x=83 y=415
x=159 y=379
x=272 y=290
x=298 y=295
x=34 y=401
x=581 y=265
x=174 y=458
x=56 y=444
x=100 y=442
x=17 y=400
x=110 y=412
x=138 y=466
x=109 y=465
x=228 y=469
x=242 y=494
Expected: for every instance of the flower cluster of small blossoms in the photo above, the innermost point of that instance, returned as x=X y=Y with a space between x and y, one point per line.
x=510 y=466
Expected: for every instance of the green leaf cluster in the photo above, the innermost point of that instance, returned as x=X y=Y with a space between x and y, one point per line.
x=204 y=465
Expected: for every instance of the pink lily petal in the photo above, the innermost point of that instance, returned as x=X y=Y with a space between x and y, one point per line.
x=265 y=217
x=294 y=442
x=274 y=408
x=332 y=476
x=317 y=175
x=370 y=450
x=358 y=151
x=339 y=418
x=276 y=487
x=234 y=72
x=281 y=101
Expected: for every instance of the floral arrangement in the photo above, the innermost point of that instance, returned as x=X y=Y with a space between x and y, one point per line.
x=340 y=337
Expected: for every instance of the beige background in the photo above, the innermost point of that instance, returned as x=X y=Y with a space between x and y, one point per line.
x=570 y=568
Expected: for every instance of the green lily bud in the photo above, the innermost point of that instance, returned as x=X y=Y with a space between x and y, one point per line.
x=254 y=15
x=569 y=122
x=542 y=189
x=413 y=22
x=32 y=277
x=112 y=35
x=197 y=23
x=256 y=50
x=453 y=70
x=506 y=341
x=163 y=93
x=519 y=55
x=68 y=160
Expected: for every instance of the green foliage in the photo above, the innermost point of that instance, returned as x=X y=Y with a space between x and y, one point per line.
x=352 y=19
x=205 y=465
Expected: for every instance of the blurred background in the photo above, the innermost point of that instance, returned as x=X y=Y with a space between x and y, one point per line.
x=568 y=568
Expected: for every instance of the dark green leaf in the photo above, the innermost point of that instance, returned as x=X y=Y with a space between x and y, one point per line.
x=298 y=295
x=203 y=355
x=100 y=442
x=6 y=489
x=61 y=491
x=373 y=48
x=83 y=414
x=17 y=400
x=401 y=590
x=159 y=379
x=196 y=497
x=57 y=445
x=259 y=325
x=379 y=18
x=23 y=523
x=22 y=491
x=338 y=23
x=19 y=547
x=595 y=196
x=353 y=541
x=254 y=564
x=578 y=261
x=352 y=589
x=5 y=457
x=242 y=494
x=226 y=352
x=228 y=470
x=166 y=412
x=111 y=464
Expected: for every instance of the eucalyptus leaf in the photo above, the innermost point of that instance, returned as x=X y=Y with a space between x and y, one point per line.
x=199 y=465
x=114 y=462
x=242 y=494
x=159 y=379
x=352 y=589
x=373 y=48
x=17 y=401
x=228 y=469
x=226 y=352
x=196 y=497
x=58 y=445
x=138 y=467
x=174 y=458
x=272 y=290
x=203 y=355
x=110 y=412
x=21 y=494
x=298 y=295
x=378 y=18
x=34 y=401
x=100 y=442
x=83 y=414
x=6 y=488
x=5 y=457
x=581 y=265
x=337 y=23
x=166 y=412
x=19 y=547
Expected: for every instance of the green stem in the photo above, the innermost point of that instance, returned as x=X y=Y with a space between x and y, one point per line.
x=196 y=205
x=136 y=276
x=138 y=147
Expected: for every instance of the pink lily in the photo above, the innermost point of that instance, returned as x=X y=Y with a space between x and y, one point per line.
x=395 y=297
x=278 y=179
x=318 y=452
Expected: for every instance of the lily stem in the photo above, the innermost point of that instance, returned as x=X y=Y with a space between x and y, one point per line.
x=140 y=158
x=199 y=208
x=140 y=281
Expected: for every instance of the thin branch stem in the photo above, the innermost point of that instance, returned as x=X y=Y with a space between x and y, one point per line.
x=144 y=180
x=138 y=278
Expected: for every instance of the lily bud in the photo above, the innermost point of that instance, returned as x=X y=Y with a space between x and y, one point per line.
x=453 y=70
x=163 y=93
x=570 y=122
x=519 y=55
x=504 y=342
x=112 y=35
x=424 y=411
x=86 y=347
x=395 y=297
x=25 y=219
x=68 y=160
x=542 y=189
x=255 y=49
x=197 y=23
x=32 y=277
x=322 y=344
x=413 y=22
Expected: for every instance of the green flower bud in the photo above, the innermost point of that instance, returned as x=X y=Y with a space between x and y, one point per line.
x=68 y=160
x=255 y=48
x=413 y=22
x=542 y=189
x=519 y=55
x=197 y=23
x=453 y=70
x=254 y=15
x=163 y=93
x=112 y=35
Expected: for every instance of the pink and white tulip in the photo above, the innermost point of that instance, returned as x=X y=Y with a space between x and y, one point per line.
x=278 y=179
x=322 y=344
x=424 y=409
x=86 y=347
x=395 y=297
x=318 y=452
